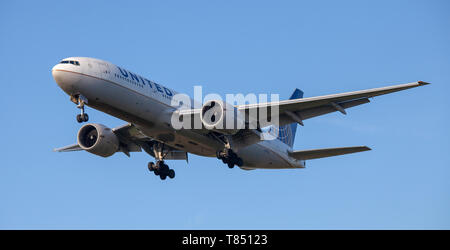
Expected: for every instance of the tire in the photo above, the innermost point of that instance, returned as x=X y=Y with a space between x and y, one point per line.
x=239 y=162
x=163 y=176
x=171 y=173
x=230 y=164
x=156 y=172
x=79 y=119
x=85 y=117
x=164 y=169
x=151 y=166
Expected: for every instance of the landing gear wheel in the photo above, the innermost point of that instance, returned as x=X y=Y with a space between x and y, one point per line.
x=239 y=162
x=230 y=158
x=161 y=169
x=85 y=117
x=164 y=168
x=171 y=173
x=82 y=118
x=151 y=166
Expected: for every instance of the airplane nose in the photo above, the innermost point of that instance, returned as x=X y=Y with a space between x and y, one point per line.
x=65 y=79
x=57 y=74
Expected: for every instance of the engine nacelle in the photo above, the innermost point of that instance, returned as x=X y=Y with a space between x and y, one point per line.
x=98 y=139
x=222 y=117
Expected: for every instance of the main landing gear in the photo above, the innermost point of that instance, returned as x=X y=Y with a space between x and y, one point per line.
x=80 y=100
x=230 y=158
x=161 y=169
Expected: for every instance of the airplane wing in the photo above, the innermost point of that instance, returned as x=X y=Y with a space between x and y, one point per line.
x=68 y=148
x=325 y=152
x=297 y=110
x=133 y=140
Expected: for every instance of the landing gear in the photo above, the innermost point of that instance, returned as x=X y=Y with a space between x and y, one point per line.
x=230 y=158
x=161 y=169
x=82 y=118
x=80 y=100
x=151 y=166
x=171 y=173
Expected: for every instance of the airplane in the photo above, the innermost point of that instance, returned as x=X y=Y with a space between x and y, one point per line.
x=147 y=108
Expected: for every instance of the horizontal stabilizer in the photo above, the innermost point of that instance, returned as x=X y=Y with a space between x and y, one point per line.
x=326 y=152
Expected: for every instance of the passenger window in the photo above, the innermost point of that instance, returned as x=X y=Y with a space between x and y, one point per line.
x=72 y=62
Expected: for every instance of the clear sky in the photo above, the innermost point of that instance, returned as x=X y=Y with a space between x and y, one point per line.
x=321 y=47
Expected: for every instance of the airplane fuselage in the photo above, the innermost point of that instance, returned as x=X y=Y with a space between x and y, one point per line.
x=146 y=104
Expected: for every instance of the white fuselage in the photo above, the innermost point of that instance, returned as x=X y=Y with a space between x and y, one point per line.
x=135 y=99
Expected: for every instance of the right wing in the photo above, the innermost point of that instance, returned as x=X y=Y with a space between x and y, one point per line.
x=131 y=136
x=69 y=148
x=133 y=140
x=325 y=152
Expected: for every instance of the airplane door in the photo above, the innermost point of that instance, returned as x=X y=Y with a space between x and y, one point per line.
x=103 y=70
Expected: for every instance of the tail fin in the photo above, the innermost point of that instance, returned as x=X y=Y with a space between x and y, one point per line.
x=286 y=133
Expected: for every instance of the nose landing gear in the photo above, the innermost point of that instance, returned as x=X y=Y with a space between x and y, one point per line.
x=80 y=100
x=82 y=118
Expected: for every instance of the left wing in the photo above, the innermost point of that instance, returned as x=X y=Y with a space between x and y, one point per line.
x=297 y=110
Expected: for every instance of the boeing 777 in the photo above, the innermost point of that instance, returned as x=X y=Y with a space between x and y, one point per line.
x=148 y=109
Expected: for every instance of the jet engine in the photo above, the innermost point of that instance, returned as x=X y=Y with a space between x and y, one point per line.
x=98 y=139
x=222 y=117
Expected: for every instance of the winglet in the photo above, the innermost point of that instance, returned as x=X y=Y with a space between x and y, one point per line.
x=421 y=83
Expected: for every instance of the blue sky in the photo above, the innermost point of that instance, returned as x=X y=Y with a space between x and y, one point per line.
x=321 y=47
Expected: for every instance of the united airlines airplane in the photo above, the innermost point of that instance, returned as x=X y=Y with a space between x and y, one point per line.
x=148 y=108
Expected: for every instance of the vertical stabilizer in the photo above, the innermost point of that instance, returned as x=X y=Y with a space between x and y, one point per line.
x=286 y=133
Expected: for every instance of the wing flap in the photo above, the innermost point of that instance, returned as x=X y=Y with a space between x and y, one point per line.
x=321 y=110
x=176 y=155
x=326 y=152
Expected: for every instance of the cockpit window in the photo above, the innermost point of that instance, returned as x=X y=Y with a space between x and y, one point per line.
x=71 y=62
